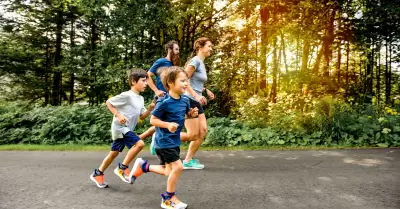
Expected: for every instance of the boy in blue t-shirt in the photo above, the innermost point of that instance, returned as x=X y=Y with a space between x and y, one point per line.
x=169 y=117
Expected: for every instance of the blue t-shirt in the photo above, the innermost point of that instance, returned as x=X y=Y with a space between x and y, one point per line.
x=162 y=62
x=169 y=109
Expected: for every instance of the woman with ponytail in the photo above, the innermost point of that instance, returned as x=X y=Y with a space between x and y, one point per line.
x=196 y=127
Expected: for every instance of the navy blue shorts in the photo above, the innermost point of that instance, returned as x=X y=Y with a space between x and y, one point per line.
x=129 y=140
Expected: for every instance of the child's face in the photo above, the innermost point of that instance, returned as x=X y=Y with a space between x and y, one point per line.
x=140 y=85
x=180 y=84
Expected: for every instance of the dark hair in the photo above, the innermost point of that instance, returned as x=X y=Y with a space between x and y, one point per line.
x=136 y=74
x=170 y=74
x=199 y=43
x=170 y=45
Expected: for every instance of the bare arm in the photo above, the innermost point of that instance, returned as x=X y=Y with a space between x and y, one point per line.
x=147 y=112
x=190 y=70
x=121 y=118
x=159 y=123
x=151 y=82
x=112 y=109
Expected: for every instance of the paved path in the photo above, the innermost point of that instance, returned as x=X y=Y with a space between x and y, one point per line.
x=354 y=179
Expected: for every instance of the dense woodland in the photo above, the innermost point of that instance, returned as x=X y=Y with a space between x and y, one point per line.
x=274 y=61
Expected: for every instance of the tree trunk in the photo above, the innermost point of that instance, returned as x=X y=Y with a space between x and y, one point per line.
x=318 y=59
x=46 y=75
x=274 y=72
x=264 y=12
x=93 y=46
x=57 y=75
x=305 y=55
x=297 y=52
x=339 y=54
x=328 y=43
x=347 y=64
x=370 y=73
x=390 y=73
x=378 y=74
x=72 y=76
x=246 y=50
x=284 y=52
x=339 y=51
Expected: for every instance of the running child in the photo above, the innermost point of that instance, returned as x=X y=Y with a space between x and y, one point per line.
x=127 y=108
x=168 y=117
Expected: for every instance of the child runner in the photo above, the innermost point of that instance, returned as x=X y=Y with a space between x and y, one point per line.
x=127 y=108
x=168 y=117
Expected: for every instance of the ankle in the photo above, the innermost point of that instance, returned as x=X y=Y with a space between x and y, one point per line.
x=97 y=172
x=122 y=166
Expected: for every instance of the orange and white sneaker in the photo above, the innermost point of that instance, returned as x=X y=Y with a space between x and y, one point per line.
x=141 y=166
x=122 y=173
x=98 y=180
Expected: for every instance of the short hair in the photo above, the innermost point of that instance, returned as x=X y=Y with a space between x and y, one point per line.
x=135 y=75
x=170 y=74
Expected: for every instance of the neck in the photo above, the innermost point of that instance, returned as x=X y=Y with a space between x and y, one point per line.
x=168 y=57
x=174 y=94
x=202 y=57
x=134 y=90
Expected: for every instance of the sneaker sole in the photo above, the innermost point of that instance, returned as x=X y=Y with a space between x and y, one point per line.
x=152 y=150
x=121 y=177
x=192 y=168
x=135 y=166
x=168 y=207
x=97 y=184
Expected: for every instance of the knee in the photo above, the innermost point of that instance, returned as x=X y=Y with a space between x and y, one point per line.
x=140 y=144
x=193 y=136
x=203 y=132
x=178 y=168
x=167 y=172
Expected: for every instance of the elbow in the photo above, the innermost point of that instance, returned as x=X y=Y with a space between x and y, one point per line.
x=152 y=121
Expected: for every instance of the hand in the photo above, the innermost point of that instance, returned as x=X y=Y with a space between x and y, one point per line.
x=172 y=127
x=193 y=112
x=151 y=106
x=201 y=99
x=122 y=119
x=159 y=93
x=210 y=95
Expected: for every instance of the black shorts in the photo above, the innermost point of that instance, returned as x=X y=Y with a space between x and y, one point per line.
x=195 y=103
x=168 y=155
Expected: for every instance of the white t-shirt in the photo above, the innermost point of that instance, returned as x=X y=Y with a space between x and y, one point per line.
x=129 y=104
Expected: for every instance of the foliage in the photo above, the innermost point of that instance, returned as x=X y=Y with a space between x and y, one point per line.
x=332 y=125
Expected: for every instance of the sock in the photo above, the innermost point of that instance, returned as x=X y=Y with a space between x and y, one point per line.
x=146 y=167
x=122 y=166
x=97 y=172
x=168 y=195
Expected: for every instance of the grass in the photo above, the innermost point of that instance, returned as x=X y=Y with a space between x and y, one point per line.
x=79 y=147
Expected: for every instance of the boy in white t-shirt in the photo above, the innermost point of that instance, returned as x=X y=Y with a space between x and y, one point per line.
x=127 y=108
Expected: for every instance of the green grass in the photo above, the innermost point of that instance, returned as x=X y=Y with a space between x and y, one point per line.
x=77 y=147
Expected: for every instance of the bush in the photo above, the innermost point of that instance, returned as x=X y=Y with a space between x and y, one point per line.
x=57 y=125
x=325 y=122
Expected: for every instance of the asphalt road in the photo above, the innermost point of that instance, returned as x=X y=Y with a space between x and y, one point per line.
x=356 y=179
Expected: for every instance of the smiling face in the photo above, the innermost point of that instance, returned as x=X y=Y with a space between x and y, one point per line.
x=180 y=84
x=206 y=49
